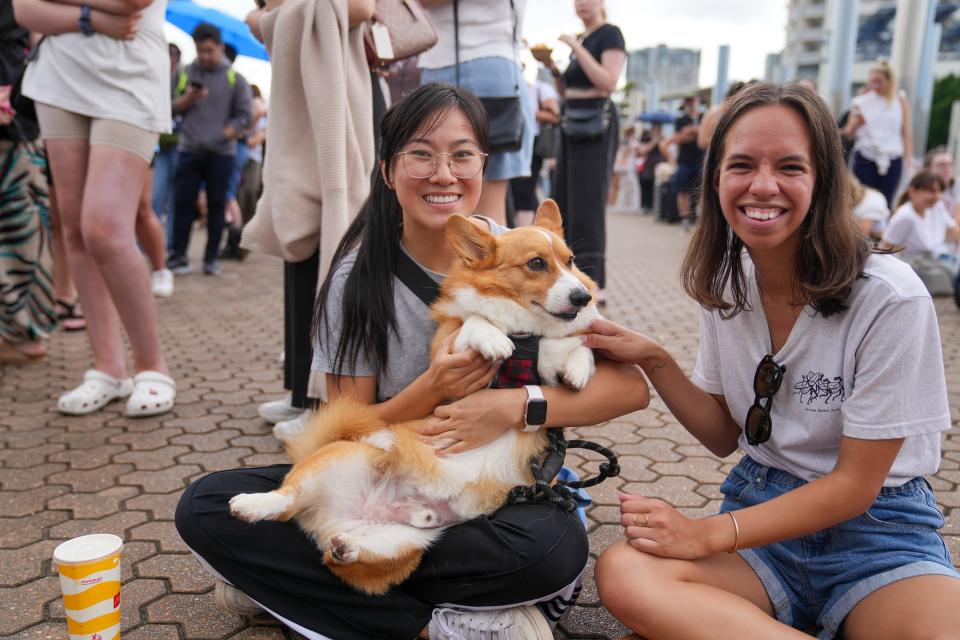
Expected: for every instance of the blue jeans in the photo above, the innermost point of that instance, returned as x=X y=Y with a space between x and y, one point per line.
x=817 y=579
x=193 y=169
x=239 y=160
x=868 y=174
x=162 y=195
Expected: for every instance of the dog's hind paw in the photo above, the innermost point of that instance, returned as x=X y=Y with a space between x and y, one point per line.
x=343 y=549
x=254 y=507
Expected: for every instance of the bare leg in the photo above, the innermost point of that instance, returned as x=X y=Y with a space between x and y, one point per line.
x=68 y=161
x=614 y=189
x=715 y=597
x=683 y=204
x=62 y=282
x=113 y=187
x=493 y=200
x=921 y=607
x=149 y=230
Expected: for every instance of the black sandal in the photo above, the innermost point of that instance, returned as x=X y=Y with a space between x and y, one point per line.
x=70 y=318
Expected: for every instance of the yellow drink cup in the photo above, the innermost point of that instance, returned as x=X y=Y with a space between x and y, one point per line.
x=89 y=569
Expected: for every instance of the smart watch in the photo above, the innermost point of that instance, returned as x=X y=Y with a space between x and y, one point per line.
x=86 y=28
x=536 y=412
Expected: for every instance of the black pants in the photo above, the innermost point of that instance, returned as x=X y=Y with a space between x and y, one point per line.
x=521 y=553
x=524 y=190
x=193 y=169
x=299 y=293
x=582 y=183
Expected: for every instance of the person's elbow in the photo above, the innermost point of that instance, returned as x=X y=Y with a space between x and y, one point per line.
x=360 y=11
x=607 y=85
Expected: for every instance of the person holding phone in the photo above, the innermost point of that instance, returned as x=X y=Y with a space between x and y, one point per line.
x=214 y=103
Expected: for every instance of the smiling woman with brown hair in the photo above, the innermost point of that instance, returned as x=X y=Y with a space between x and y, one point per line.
x=823 y=363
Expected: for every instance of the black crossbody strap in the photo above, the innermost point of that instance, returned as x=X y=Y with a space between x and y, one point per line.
x=416 y=279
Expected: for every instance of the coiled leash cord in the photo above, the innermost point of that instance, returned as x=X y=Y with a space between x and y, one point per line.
x=561 y=491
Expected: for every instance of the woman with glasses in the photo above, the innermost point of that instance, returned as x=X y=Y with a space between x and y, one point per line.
x=822 y=362
x=374 y=335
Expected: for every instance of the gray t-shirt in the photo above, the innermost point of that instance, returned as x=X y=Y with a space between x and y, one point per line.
x=874 y=371
x=408 y=350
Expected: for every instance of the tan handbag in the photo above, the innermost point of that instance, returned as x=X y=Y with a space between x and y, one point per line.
x=399 y=29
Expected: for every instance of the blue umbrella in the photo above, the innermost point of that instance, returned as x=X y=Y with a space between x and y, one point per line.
x=187 y=15
x=657 y=116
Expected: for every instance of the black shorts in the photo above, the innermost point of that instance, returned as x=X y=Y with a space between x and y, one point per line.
x=519 y=554
x=686 y=178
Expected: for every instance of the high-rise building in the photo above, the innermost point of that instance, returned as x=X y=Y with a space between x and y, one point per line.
x=676 y=71
x=808 y=28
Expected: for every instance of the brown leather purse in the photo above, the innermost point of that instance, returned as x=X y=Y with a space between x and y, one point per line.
x=399 y=29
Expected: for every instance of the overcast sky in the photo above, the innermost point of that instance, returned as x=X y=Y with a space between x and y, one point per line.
x=752 y=28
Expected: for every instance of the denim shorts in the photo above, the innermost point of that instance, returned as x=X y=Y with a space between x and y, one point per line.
x=491 y=78
x=816 y=580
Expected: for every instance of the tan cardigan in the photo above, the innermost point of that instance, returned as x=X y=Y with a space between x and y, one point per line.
x=320 y=148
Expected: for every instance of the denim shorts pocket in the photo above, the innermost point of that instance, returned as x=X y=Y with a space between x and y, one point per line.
x=914 y=510
x=736 y=484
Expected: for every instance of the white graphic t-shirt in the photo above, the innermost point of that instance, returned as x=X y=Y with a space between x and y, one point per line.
x=873 y=372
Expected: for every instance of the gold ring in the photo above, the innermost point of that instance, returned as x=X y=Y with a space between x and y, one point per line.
x=640 y=519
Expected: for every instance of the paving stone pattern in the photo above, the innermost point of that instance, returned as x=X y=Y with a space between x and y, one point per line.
x=61 y=477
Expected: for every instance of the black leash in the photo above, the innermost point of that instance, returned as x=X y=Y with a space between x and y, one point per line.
x=561 y=492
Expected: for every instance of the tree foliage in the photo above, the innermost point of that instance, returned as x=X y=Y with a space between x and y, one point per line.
x=946 y=91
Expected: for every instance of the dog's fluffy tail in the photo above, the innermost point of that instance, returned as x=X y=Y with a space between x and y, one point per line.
x=342 y=419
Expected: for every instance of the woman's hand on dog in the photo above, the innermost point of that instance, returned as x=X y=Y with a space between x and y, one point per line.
x=474 y=421
x=616 y=342
x=455 y=375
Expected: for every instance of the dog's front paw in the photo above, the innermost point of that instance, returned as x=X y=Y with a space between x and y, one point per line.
x=578 y=369
x=479 y=334
x=254 y=507
x=343 y=549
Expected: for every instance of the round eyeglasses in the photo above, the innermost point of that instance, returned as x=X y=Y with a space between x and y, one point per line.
x=422 y=163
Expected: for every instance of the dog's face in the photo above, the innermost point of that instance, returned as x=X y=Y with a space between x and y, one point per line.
x=526 y=276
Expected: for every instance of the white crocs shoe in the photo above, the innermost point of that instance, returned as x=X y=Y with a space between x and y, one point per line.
x=515 y=623
x=97 y=390
x=153 y=394
x=161 y=282
x=280 y=410
x=284 y=431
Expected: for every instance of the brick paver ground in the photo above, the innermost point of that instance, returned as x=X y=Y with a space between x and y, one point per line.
x=61 y=477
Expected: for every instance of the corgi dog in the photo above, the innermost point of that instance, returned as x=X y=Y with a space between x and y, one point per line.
x=374 y=496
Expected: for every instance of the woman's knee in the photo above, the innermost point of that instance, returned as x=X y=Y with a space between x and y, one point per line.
x=103 y=239
x=623 y=576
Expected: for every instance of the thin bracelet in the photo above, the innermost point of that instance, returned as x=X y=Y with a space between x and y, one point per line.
x=736 y=533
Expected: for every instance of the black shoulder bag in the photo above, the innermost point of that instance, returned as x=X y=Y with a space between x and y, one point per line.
x=504 y=114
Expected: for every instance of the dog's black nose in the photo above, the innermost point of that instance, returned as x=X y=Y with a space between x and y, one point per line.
x=580 y=298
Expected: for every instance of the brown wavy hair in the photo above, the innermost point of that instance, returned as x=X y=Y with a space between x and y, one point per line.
x=832 y=250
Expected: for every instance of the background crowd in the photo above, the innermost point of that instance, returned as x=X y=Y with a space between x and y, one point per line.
x=107 y=171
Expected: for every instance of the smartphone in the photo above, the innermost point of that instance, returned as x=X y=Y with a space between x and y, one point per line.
x=196 y=85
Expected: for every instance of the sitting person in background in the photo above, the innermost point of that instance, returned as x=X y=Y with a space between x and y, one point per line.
x=926 y=234
x=869 y=209
x=939 y=161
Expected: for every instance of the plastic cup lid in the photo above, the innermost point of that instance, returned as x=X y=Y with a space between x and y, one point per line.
x=89 y=548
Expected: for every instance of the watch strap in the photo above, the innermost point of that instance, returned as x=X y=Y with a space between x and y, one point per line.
x=86 y=27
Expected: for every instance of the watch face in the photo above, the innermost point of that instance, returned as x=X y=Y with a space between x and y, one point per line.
x=536 y=411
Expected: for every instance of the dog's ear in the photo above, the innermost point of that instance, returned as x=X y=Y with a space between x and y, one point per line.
x=471 y=243
x=548 y=217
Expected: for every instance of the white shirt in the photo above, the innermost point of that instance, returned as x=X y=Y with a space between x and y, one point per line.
x=486 y=31
x=873 y=207
x=100 y=77
x=880 y=139
x=872 y=372
x=927 y=234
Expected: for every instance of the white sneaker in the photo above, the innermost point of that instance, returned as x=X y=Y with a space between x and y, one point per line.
x=279 y=410
x=161 y=281
x=287 y=429
x=516 y=623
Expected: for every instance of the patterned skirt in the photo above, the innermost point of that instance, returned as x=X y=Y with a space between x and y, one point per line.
x=27 y=300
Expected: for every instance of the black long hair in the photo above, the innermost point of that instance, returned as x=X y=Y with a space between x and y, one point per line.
x=368 y=310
